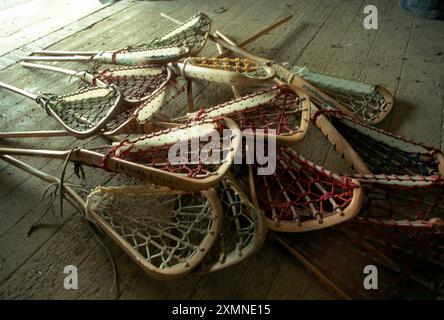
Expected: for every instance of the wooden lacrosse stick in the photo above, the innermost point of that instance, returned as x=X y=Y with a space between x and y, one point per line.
x=135 y=83
x=301 y=196
x=402 y=200
x=318 y=97
x=179 y=158
x=243 y=229
x=384 y=152
x=82 y=113
x=166 y=232
x=368 y=103
x=335 y=138
x=186 y=39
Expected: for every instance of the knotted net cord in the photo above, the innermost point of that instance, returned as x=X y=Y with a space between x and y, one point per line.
x=384 y=152
x=242 y=230
x=201 y=156
x=282 y=113
x=165 y=227
x=300 y=191
x=366 y=106
x=83 y=113
x=246 y=67
x=193 y=36
x=133 y=86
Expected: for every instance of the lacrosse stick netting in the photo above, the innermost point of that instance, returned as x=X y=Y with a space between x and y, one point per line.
x=166 y=232
x=301 y=196
x=136 y=83
x=243 y=228
x=402 y=198
x=185 y=40
x=83 y=112
x=231 y=71
x=193 y=157
x=384 y=152
x=280 y=111
x=283 y=74
x=369 y=103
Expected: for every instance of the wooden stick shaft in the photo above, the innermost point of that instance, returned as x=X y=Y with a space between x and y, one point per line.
x=18 y=90
x=51 y=154
x=65 y=53
x=83 y=75
x=57 y=58
x=170 y=18
x=34 y=134
x=49 y=68
x=311 y=267
x=42 y=175
x=257 y=36
x=251 y=185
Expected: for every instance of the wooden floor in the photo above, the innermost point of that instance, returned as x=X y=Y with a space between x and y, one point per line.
x=405 y=54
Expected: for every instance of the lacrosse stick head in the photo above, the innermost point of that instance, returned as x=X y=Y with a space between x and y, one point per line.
x=145 y=117
x=190 y=157
x=85 y=111
x=370 y=107
x=278 y=111
x=137 y=84
x=368 y=103
x=235 y=71
x=387 y=153
x=166 y=232
x=301 y=196
x=402 y=200
x=191 y=34
x=243 y=228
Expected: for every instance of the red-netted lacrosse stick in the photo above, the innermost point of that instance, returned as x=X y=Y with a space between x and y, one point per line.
x=135 y=83
x=301 y=196
x=192 y=157
x=279 y=111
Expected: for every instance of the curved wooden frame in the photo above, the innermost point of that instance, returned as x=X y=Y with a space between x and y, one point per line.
x=162 y=274
x=217 y=70
x=179 y=270
x=285 y=75
x=258 y=100
x=335 y=218
x=116 y=109
x=151 y=53
x=94 y=81
x=256 y=241
x=145 y=173
x=337 y=87
x=384 y=136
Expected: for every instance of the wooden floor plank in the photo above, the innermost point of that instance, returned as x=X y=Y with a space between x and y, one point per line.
x=420 y=95
x=38 y=18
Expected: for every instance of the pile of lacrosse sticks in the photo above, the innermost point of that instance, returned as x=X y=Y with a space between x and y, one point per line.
x=192 y=189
